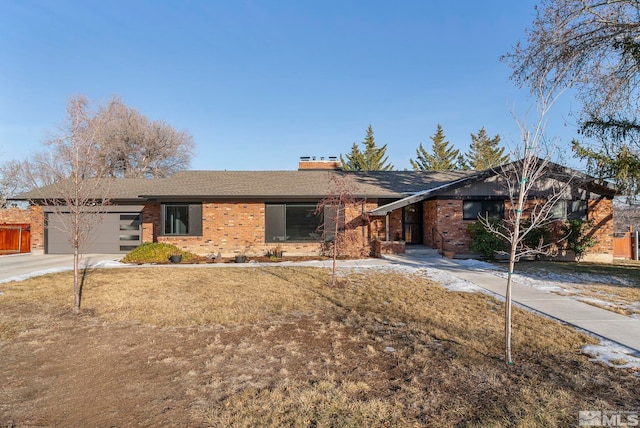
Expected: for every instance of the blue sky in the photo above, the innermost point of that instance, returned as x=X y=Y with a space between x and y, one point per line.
x=260 y=83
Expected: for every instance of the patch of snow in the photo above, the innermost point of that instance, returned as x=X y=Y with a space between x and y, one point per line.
x=108 y=264
x=445 y=279
x=598 y=302
x=476 y=264
x=613 y=355
x=390 y=349
x=578 y=278
x=37 y=273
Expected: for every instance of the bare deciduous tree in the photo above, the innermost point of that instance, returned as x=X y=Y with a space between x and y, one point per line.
x=534 y=190
x=133 y=146
x=594 y=47
x=81 y=197
x=12 y=181
x=127 y=144
x=342 y=213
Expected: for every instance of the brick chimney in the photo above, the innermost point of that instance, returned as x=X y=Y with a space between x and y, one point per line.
x=313 y=162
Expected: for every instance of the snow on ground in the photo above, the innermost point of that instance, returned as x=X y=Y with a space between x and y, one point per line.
x=613 y=355
x=443 y=278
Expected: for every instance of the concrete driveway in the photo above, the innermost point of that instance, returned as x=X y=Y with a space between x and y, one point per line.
x=30 y=264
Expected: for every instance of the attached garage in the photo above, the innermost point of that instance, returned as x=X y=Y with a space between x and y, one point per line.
x=115 y=232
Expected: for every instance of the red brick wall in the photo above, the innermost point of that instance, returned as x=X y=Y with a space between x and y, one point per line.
x=430 y=222
x=232 y=228
x=37 y=229
x=228 y=228
x=600 y=211
x=379 y=224
x=150 y=222
x=15 y=216
x=445 y=216
x=451 y=225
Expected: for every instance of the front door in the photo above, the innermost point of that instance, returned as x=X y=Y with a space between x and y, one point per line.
x=412 y=224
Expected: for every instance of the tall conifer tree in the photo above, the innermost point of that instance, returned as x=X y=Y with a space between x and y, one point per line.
x=484 y=152
x=444 y=157
x=372 y=158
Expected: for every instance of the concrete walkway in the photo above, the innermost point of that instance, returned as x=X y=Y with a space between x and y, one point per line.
x=17 y=265
x=600 y=322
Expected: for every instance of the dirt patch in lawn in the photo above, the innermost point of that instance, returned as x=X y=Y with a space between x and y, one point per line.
x=274 y=346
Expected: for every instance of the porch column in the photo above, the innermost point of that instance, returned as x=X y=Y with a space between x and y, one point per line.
x=386 y=227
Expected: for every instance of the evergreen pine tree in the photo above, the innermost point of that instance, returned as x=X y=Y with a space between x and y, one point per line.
x=484 y=152
x=372 y=158
x=444 y=157
x=354 y=160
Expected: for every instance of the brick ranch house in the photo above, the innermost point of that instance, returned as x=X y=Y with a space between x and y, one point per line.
x=232 y=212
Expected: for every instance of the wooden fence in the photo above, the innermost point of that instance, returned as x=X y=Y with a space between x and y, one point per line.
x=15 y=238
x=623 y=245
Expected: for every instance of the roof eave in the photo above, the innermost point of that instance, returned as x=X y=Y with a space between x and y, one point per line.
x=421 y=196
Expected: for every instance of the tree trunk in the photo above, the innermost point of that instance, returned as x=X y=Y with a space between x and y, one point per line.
x=335 y=250
x=512 y=255
x=76 y=282
x=507 y=309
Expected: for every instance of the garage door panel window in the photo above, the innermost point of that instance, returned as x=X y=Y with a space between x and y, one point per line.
x=182 y=219
x=129 y=237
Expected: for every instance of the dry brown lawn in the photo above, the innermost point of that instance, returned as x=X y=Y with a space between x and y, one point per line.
x=274 y=346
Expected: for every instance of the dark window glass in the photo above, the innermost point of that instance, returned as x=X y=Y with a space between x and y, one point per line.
x=131 y=217
x=570 y=210
x=577 y=209
x=275 y=223
x=559 y=210
x=291 y=222
x=471 y=210
x=182 y=219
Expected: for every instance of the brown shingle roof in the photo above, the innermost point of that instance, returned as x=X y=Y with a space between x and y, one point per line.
x=266 y=184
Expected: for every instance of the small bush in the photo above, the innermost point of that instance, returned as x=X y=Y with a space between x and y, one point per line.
x=350 y=245
x=151 y=252
x=484 y=241
x=578 y=240
x=538 y=238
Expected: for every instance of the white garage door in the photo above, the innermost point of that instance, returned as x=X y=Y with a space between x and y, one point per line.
x=115 y=233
